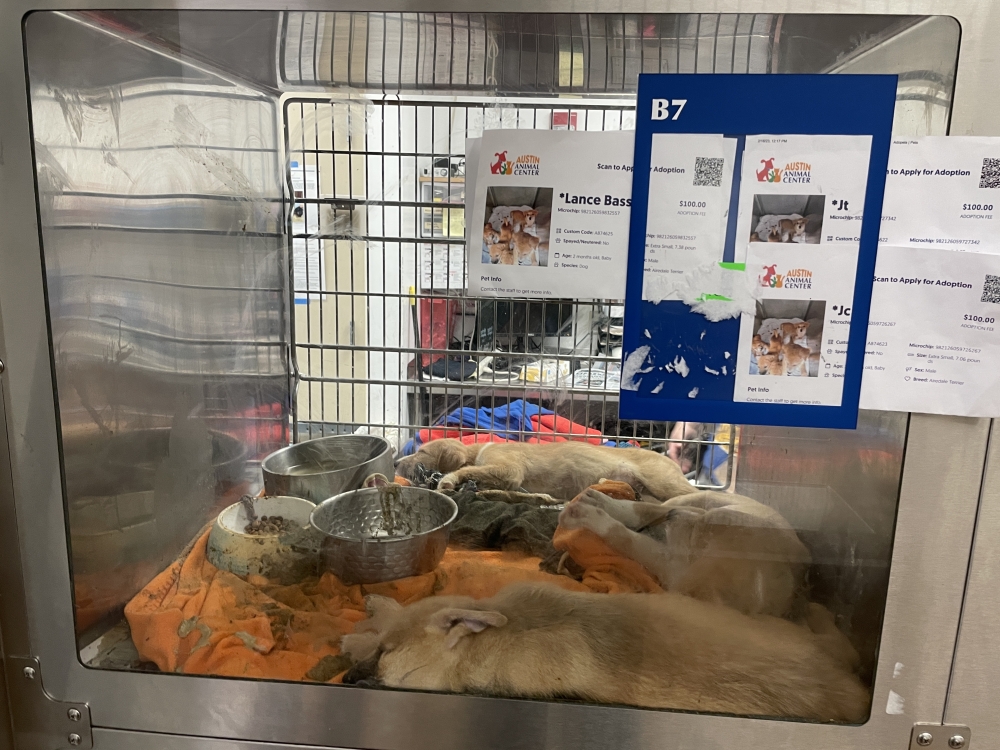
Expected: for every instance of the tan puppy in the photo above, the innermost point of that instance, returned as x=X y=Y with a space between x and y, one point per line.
x=506 y=230
x=800 y=334
x=490 y=235
x=526 y=247
x=714 y=546
x=774 y=347
x=655 y=650
x=562 y=470
x=757 y=346
x=523 y=219
x=501 y=252
x=795 y=359
x=792 y=229
x=770 y=364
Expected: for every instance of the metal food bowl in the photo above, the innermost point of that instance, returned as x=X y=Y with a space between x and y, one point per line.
x=383 y=533
x=288 y=557
x=327 y=466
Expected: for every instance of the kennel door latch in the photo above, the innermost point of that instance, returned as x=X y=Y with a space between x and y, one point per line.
x=940 y=737
x=40 y=721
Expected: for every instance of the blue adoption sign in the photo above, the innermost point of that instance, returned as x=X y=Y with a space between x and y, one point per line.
x=756 y=203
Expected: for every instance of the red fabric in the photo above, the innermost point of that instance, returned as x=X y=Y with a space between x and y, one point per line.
x=545 y=426
x=262 y=429
x=436 y=317
x=550 y=423
x=437 y=433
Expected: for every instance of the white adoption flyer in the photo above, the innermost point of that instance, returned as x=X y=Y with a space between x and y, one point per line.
x=793 y=349
x=802 y=189
x=933 y=333
x=798 y=192
x=690 y=185
x=943 y=191
x=553 y=209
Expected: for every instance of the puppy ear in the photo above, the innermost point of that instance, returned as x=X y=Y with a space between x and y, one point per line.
x=451 y=456
x=458 y=623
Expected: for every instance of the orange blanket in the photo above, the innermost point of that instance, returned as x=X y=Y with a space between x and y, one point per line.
x=196 y=619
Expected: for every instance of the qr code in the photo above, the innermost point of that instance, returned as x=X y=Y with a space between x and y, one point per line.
x=990 y=177
x=991 y=289
x=708 y=171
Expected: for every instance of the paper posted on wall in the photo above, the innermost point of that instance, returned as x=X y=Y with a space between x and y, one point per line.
x=933 y=342
x=800 y=206
x=943 y=191
x=307 y=251
x=550 y=214
x=801 y=210
x=749 y=271
x=933 y=333
x=691 y=177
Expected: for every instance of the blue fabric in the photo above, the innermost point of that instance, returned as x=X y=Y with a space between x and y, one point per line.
x=504 y=421
x=714 y=458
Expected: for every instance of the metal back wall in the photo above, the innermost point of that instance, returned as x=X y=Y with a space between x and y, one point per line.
x=938 y=504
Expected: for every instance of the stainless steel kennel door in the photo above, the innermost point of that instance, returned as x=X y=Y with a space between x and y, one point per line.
x=226 y=229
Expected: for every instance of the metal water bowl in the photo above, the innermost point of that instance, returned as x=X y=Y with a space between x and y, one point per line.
x=370 y=538
x=327 y=466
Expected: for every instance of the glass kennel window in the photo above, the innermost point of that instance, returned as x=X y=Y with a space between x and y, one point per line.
x=251 y=231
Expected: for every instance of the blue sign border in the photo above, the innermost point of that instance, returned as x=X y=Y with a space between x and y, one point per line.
x=737 y=104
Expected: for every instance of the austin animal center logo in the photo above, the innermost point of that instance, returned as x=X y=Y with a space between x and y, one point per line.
x=768 y=173
x=797 y=278
x=793 y=172
x=526 y=165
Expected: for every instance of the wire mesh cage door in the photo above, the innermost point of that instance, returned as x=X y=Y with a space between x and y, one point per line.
x=387 y=340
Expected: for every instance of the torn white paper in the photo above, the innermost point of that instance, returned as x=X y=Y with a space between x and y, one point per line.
x=690 y=183
x=631 y=367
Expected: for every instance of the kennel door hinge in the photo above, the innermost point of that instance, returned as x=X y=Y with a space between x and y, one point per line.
x=940 y=737
x=40 y=721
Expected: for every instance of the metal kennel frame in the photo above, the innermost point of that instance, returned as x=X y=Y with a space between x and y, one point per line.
x=934 y=478
x=346 y=381
x=371 y=222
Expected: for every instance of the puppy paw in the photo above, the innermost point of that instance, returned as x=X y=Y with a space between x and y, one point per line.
x=593 y=497
x=580 y=515
x=448 y=482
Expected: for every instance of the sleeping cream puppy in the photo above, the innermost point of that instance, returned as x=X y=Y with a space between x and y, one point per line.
x=535 y=640
x=562 y=470
x=714 y=546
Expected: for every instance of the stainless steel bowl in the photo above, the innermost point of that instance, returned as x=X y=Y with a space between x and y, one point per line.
x=320 y=468
x=370 y=536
